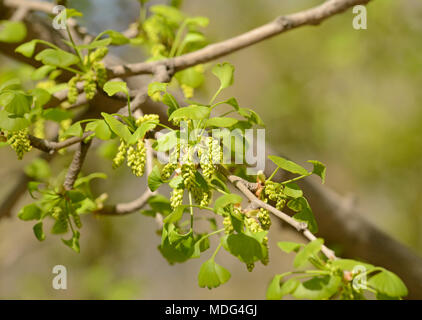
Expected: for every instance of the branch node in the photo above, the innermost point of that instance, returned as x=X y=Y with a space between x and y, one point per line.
x=284 y=22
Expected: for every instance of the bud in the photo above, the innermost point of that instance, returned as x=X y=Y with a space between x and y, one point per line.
x=250 y=266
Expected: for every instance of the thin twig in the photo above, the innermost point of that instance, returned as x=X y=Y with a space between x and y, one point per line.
x=242 y=186
x=53 y=146
x=76 y=165
x=280 y=25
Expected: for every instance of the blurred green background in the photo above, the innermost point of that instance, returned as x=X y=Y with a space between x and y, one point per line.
x=348 y=98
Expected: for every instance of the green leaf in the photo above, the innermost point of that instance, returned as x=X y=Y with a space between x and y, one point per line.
x=232 y=102
x=349 y=264
x=75 y=196
x=318 y=288
x=292 y=190
x=155 y=87
x=223 y=122
x=73 y=13
x=311 y=249
x=16 y=102
x=288 y=287
x=305 y=213
x=212 y=275
x=59 y=228
x=102 y=130
x=198 y=21
x=193 y=112
x=171 y=102
x=388 y=283
x=176 y=215
x=30 y=212
x=32 y=187
x=12 y=123
x=113 y=87
x=161 y=204
x=288 y=246
x=176 y=182
x=38 y=169
x=202 y=244
x=319 y=169
x=142 y=130
x=277 y=291
x=166 y=141
x=87 y=179
x=273 y=290
x=116 y=37
x=117 y=127
x=251 y=116
x=225 y=73
x=226 y=200
x=38 y=231
x=27 y=49
x=42 y=97
x=171 y=14
x=56 y=114
x=180 y=248
x=73 y=242
x=220 y=184
x=95 y=44
x=154 y=179
x=75 y=130
x=190 y=77
x=247 y=249
x=11 y=84
x=288 y=165
x=57 y=57
x=12 y=31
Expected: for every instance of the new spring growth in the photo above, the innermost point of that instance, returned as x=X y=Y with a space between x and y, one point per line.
x=96 y=74
x=136 y=158
x=19 y=142
x=176 y=198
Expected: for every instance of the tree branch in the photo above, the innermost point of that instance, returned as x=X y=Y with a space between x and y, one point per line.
x=52 y=146
x=76 y=165
x=280 y=25
x=301 y=227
